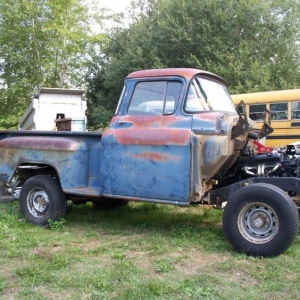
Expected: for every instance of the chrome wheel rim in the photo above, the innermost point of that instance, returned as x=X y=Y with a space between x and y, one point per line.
x=38 y=202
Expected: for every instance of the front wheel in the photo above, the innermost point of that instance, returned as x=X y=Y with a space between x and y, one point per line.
x=42 y=199
x=260 y=220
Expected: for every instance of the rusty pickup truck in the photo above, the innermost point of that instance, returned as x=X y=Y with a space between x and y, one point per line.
x=176 y=138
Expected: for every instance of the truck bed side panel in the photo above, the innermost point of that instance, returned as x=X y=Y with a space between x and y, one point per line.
x=69 y=156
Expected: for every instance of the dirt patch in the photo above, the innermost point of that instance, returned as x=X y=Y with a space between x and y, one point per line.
x=196 y=259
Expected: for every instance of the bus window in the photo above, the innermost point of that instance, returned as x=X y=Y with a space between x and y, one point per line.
x=256 y=111
x=284 y=107
x=295 y=109
x=279 y=111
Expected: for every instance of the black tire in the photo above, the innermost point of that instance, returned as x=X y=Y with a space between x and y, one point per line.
x=41 y=199
x=109 y=203
x=260 y=220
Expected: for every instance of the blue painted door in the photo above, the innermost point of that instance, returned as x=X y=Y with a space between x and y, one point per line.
x=150 y=145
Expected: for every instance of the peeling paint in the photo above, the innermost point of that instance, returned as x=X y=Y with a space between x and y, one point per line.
x=43 y=143
x=156 y=156
x=152 y=137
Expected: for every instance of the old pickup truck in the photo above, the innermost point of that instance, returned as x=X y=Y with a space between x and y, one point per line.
x=176 y=138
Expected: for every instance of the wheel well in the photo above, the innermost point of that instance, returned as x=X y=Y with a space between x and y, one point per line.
x=28 y=170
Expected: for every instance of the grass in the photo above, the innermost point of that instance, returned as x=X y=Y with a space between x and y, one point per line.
x=142 y=251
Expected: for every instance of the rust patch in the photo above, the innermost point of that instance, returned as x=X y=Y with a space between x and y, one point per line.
x=156 y=156
x=151 y=121
x=43 y=143
x=187 y=73
x=153 y=137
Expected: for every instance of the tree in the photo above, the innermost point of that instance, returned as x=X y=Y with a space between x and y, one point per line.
x=42 y=43
x=253 y=44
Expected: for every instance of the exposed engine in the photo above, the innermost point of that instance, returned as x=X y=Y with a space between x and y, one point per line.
x=249 y=164
x=281 y=164
x=256 y=160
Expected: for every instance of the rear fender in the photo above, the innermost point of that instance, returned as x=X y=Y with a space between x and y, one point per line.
x=68 y=156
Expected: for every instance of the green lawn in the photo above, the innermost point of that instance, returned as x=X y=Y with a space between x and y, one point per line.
x=142 y=251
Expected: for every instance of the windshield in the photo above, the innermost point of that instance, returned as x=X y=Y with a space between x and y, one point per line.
x=206 y=95
x=120 y=100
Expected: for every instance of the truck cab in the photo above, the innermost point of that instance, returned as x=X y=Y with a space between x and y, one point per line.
x=170 y=136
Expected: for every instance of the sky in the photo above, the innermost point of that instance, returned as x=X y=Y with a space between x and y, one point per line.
x=116 y=5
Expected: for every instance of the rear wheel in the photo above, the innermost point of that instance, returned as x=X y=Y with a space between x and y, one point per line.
x=42 y=199
x=260 y=220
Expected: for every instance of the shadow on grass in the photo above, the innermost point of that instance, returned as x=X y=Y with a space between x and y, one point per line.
x=198 y=225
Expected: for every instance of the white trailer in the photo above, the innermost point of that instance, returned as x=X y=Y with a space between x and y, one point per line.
x=52 y=104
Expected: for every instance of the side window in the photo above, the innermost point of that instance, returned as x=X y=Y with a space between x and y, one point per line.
x=154 y=98
x=295 y=109
x=195 y=101
x=279 y=111
x=256 y=111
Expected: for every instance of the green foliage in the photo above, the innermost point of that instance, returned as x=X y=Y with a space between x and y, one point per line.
x=13 y=102
x=43 y=43
x=58 y=224
x=253 y=44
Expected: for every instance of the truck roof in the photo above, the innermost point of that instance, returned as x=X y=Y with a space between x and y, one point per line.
x=182 y=72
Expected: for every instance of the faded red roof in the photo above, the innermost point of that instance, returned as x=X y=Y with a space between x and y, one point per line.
x=183 y=72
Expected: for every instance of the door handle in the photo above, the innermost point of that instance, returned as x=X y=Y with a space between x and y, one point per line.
x=121 y=122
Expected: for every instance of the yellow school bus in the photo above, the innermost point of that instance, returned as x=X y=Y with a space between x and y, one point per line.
x=284 y=107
